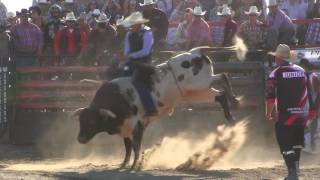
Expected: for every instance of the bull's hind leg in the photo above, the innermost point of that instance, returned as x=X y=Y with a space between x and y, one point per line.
x=128 y=146
x=222 y=79
x=137 y=139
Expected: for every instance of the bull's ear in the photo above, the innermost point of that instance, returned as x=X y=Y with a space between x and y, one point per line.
x=107 y=113
x=77 y=112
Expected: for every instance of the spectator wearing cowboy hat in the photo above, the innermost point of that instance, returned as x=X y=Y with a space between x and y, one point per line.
x=280 y=27
x=158 y=20
x=137 y=48
x=27 y=41
x=287 y=86
x=230 y=26
x=70 y=42
x=91 y=18
x=102 y=40
x=251 y=31
x=199 y=30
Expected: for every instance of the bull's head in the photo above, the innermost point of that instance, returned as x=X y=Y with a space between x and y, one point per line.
x=93 y=121
x=192 y=69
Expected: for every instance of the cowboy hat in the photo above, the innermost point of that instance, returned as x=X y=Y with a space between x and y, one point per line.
x=253 y=10
x=96 y=12
x=147 y=2
x=42 y=2
x=272 y=3
x=70 y=17
x=23 y=12
x=197 y=11
x=69 y=1
x=283 y=51
x=226 y=11
x=133 y=19
x=103 y=18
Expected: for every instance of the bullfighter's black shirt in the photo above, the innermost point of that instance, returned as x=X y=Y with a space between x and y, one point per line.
x=287 y=88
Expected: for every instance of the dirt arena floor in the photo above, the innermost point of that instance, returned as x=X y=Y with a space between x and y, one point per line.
x=196 y=141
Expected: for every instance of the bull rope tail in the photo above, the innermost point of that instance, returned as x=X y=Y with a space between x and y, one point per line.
x=175 y=78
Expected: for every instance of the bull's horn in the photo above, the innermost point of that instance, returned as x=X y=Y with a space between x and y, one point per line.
x=203 y=49
x=77 y=112
x=107 y=113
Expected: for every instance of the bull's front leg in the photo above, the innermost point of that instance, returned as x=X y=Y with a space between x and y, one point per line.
x=137 y=140
x=128 y=146
x=223 y=79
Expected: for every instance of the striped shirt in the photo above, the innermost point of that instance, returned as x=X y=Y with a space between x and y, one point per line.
x=27 y=38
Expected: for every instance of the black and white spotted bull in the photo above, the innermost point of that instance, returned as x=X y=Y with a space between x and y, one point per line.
x=117 y=109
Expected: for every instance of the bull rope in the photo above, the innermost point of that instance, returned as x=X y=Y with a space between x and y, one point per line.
x=175 y=78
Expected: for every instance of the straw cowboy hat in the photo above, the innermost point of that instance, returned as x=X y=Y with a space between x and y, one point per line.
x=43 y=2
x=197 y=11
x=147 y=2
x=103 y=18
x=70 y=17
x=133 y=19
x=96 y=12
x=283 y=51
x=272 y=3
x=253 y=10
x=226 y=11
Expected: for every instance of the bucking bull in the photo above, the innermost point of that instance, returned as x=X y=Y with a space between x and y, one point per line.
x=116 y=107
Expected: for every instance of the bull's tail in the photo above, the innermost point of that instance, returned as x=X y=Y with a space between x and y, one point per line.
x=241 y=48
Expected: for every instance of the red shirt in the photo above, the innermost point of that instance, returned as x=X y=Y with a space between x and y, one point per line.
x=70 y=40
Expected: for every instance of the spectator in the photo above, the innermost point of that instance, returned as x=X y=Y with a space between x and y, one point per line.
x=132 y=8
x=51 y=28
x=241 y=7
x=84 y=26
x=102 y=40
x=91 y=18
x=213 y=13
x=165 y=6
x=313 y=32
x=199 y=30
x=177 y=14
x=12 y=20
x=36 y=17
x=27 y=41
x=158 y=23
x=70 y=6
x=230 y=26
x=44 y=9
x=280 y=27
x=181 y=35
x=3 y=11
x=251 y=31
x=70 y=42
x=4 y=43
x=114 y=9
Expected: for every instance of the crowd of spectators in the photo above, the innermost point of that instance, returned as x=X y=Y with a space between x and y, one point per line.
x=89 y=32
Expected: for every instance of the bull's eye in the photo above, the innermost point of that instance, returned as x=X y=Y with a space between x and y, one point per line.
x=186 y=64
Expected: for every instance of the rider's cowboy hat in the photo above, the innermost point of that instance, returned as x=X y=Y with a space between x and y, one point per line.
x=103 y=18
x=197 y=11
x=147 y=2
x=226 y=11
x=133 y=19
x=283 y=51
x=70 y=17
x=273 y=3
x=253 y=10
